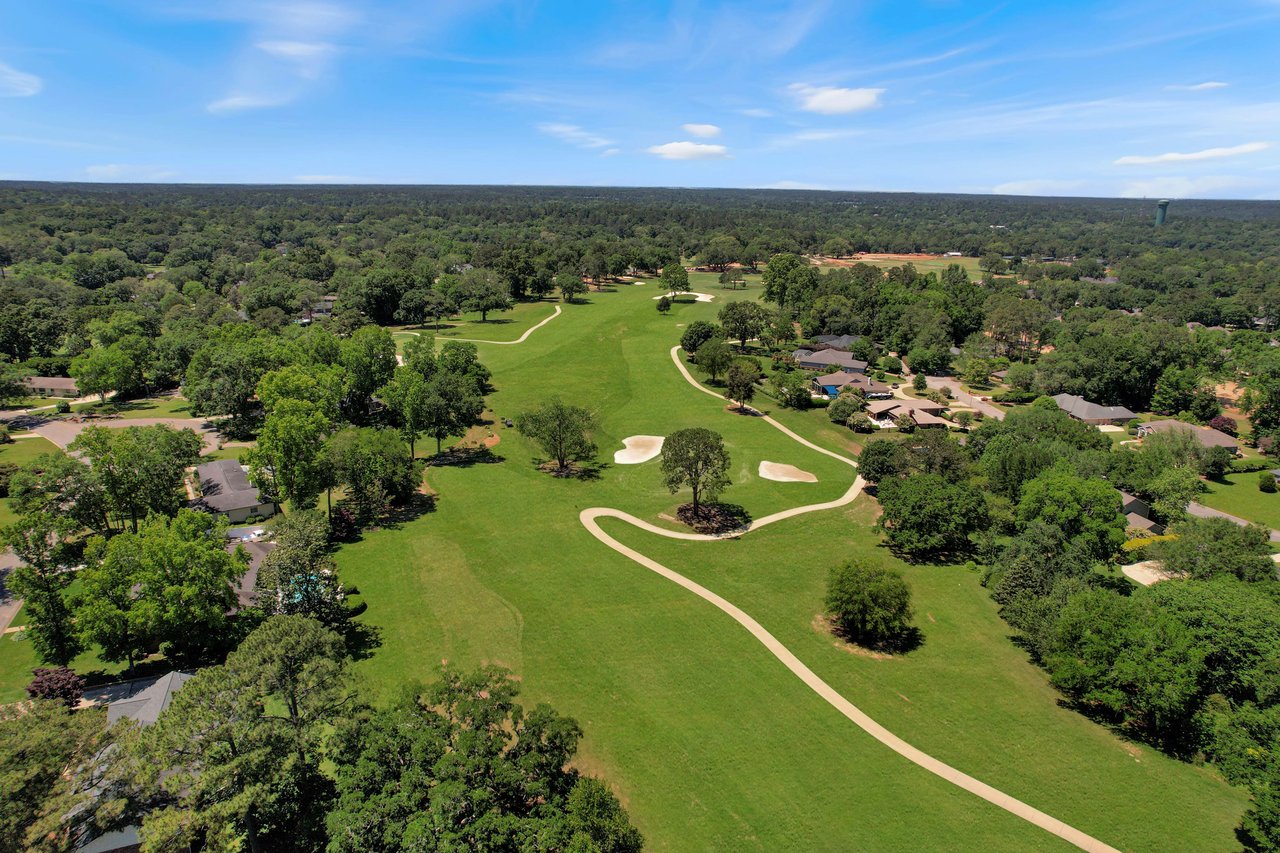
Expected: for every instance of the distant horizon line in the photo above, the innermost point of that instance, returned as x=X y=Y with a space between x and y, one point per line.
x=317 y=185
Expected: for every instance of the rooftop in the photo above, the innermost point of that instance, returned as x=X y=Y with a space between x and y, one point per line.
x=1082 y=409
x=224 y=486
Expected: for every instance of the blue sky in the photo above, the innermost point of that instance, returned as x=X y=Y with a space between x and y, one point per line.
x=1167 y=98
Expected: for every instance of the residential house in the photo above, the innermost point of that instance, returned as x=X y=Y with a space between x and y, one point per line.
x=52 y=386
x=225 y=490
x=837 y=341
x=1137 y=514
x=1092 y=413
x=142 y=701
x=1207 y=436
x=925 y=413
x=829 y=359
x=832 y=384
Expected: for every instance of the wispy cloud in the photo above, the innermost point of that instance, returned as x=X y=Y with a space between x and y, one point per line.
x=1037 y=186
x=704 y=131
x=834 y=100
x=1193 y=156
x=128 y=172
x=332 y=179
x=47 y=142
x=574 y=135
x=686 y=150
x=611 y=152
x=290 y=46
x=793 y=185
x=1198 y=87
x=18 y=84
x=756 y=112
x=1175 y=186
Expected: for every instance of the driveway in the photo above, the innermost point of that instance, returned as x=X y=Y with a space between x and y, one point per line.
x=63 y=432
x=964 y=397
x=1202 y=511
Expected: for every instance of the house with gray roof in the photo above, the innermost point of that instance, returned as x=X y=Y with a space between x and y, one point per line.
x=837 y=341
x=1092 y=413
x=829 y=359
x=225 y=490
x=1208 y=437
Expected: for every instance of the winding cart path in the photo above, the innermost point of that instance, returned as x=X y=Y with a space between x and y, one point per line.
x=590 y=519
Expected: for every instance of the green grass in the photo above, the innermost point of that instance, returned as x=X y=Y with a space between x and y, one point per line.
x=1239 y=495
x=501 y=326
x=711 y=743
x=151 y=407
x=20 y=452
x=29 y=403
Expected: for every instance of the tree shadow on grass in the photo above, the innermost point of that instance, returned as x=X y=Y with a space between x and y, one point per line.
x=465 y=457
x=576 y=470
x=715 y=519
x=360 y=638
x=414 y=508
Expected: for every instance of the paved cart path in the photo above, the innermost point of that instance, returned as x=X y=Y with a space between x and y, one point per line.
x=590 y=519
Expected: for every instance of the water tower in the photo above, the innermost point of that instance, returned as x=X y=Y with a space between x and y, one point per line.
x=1162 y=210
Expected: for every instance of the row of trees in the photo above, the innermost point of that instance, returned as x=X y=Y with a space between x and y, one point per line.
x=1183 y=664
x=274 y=750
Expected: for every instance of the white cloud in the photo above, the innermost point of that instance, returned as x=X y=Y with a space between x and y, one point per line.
x=1037 y=186
x=793 y=185
x=235 y=103
x=1198 y=87
x=18 y=84
x=689 y=151
x=757 y=112
x=332 y=179
x=833 y=100
x=1175 y=186
x=289 y=46
x=296 y=49
x=824 y=135
x=574 y=135
x=611 y=152
x=128 y=172
x=1192 y=156
x=703 y=131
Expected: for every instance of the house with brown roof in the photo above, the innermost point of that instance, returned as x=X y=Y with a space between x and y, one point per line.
x=1207 y=436
x=925 y=413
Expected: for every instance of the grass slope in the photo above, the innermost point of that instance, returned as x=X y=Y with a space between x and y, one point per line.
x=1239 y=495
x=712 y=744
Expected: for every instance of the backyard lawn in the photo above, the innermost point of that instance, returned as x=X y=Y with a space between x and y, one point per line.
x=1239 y=495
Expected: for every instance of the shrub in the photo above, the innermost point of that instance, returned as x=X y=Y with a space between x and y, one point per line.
x=1222 y=423
x=861 y=422
x=5 y=438
x=963 y=419
x=59 y=684
x=869 y=605
x=342 y=525
x=664 y=304
x=919 y=383
x=1132 y=426
x=890 y=363
x=842 y=408
x=1267 y=482
x=63 y=407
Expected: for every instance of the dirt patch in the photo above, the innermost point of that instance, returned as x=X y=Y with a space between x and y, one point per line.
x=822 y=624
x=492 y=440
x=639 y=448
x=782 y=473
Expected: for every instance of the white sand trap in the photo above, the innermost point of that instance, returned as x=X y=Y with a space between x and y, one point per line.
x=639 y=448
x=700 y=297
x=785 y=473
x=1146 y=573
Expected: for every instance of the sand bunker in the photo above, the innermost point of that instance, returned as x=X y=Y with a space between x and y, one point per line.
x=639 y=448
x=700 y=297
x=785 y=473
x=1146 y=573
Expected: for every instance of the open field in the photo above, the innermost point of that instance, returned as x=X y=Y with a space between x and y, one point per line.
x=1239 y=495
x=502 y=325
x=924 y=264
x=710 y=742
